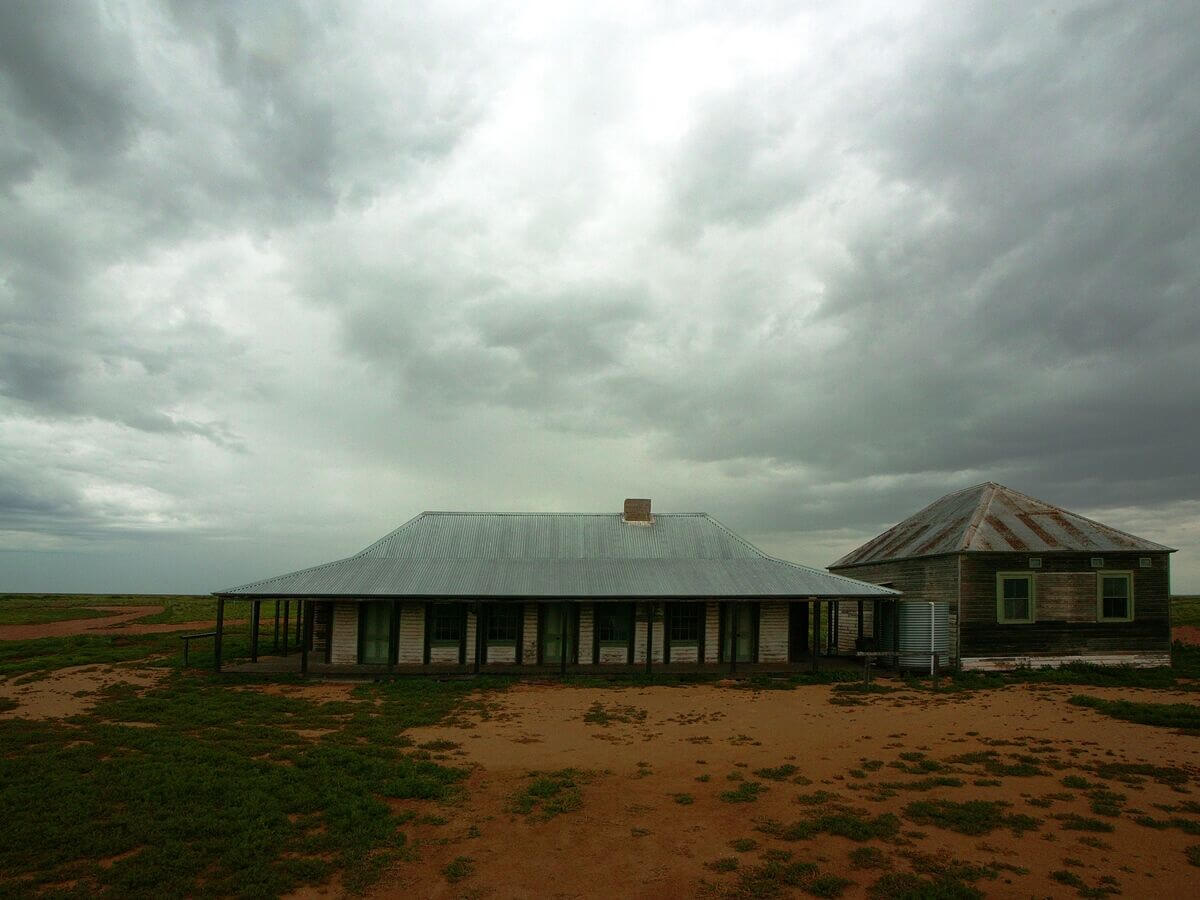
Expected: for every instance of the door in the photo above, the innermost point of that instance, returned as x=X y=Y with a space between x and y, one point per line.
x=558 y=626
x=799 y=638
x=740 y=619
x=374 y=620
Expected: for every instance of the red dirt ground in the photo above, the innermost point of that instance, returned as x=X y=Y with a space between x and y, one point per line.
x=632 y=839
x=1186 y=634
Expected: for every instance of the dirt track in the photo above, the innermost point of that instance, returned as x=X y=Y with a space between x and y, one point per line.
x=118 y=623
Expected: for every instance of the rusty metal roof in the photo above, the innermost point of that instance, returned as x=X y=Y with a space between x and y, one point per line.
x=560 y=555
x=991 y=518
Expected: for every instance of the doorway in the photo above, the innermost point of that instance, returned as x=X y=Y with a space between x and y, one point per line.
x=799 y=637
x=374 y=637
x=559 y=624
x=739 y=621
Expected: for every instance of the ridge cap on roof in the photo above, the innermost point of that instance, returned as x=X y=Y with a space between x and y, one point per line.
x=981 y=511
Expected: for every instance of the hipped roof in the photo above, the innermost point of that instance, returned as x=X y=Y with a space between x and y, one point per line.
x=991 y=518
x=559 y=555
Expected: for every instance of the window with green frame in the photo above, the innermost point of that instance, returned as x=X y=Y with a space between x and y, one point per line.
x=1114 y=596
x=1014 y=598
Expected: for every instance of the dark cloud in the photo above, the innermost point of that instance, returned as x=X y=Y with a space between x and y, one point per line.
x=300 y=270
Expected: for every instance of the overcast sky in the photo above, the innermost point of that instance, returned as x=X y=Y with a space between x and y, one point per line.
x=276 y=277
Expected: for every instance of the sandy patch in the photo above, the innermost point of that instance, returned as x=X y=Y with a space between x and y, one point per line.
x=70 y=691
x=632 y=839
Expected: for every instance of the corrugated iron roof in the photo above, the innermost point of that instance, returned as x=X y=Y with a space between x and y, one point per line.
x=452 y=554
x=990 y=518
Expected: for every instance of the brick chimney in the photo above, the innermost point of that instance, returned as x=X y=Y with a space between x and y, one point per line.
x=637 y=512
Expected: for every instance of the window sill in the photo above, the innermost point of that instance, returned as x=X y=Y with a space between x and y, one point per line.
x=454 y=643
x=624 y=643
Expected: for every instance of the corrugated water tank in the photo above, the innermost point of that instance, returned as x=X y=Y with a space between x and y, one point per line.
x=924 y=627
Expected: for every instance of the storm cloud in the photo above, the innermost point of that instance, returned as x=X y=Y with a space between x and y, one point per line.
x=276 y=277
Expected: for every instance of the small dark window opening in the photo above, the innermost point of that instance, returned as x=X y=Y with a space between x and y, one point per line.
x=447 y=623
x=503 y=624
x=613 y=623
x=686 y=622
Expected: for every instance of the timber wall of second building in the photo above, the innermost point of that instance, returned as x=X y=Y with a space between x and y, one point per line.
x=1066 y=621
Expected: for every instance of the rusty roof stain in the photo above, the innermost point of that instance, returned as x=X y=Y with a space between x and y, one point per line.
x=992 y=517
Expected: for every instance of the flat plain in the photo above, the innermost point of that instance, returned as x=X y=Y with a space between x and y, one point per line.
x=124 y=776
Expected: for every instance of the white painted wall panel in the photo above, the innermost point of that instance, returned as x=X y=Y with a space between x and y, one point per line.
x=530 y=635
x=586 y=631
x=712 y=631
x=773 y=631
x=502 y=653
x=684 y=653
x=443 y=655
x=344 y=647
x=412 y=634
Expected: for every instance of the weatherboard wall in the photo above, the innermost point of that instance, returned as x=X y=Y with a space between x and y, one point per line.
x=344 y=647
x=1065 y=591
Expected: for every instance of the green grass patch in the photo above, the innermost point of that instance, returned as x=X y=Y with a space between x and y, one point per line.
x=857 y=825
x=600 y=714
x=550 y=794
x=868 y=858
x=459 y=868
x=778 y=876
x=683 y=799
x=220 y=795
x=1192 y=852
x=1185 y=610
x=744 y=845
x=779 y=773
x=745 y=792
x=1075 y=822
x=1106 y=886
x=972 y=817
x=724 y=864
x=922 y=784
x=1182 y=716
x=1136 y=773
x=910 y=886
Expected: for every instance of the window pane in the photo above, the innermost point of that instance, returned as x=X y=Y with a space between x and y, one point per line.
x=612 y=622
x=1016 y=588
x=503 y=622
x=1016 y=608
x=1116 y=608
x=447 y=622
x=685 y=621
x=1116 y=587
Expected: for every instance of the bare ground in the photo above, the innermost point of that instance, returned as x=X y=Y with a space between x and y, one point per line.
x=118 y=623
x=70 y=691
x=631 y=838
x=1186 y=634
